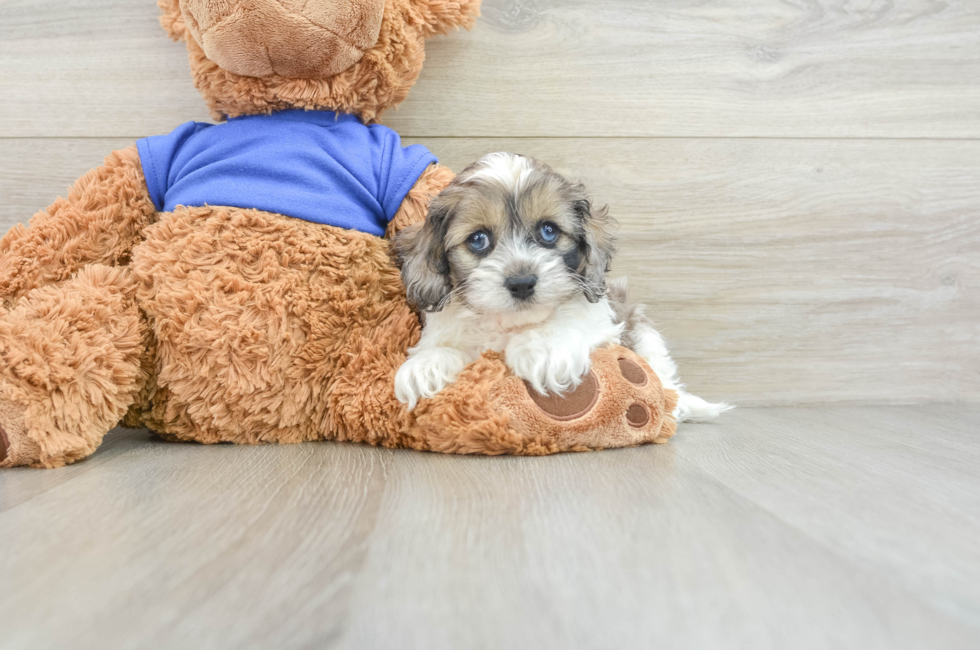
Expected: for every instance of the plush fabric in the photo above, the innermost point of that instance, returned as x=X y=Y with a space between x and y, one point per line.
x=71 y=366
x=380 y=80
x=291 y=38
x=313 y=165
x=99 y=222
x=227 y=323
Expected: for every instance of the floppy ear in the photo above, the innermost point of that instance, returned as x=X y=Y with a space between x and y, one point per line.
x=421 y=255
x=598 y=246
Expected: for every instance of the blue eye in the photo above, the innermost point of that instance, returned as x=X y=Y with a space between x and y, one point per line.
x=478 y=242
x=548 y=232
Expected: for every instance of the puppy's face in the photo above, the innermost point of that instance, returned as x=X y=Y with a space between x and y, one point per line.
x=508 y=236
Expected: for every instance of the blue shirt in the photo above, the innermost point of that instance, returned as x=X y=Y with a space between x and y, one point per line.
x=314 y=165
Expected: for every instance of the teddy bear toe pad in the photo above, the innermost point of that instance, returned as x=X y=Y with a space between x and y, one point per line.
x=637 y=415
x=620 y=402
x=633 y=372
x=572 y=405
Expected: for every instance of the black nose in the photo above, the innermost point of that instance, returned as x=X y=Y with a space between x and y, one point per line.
x=521 y=287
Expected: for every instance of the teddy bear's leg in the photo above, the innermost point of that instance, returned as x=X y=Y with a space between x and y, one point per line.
x=70 y=366
x=100 y=222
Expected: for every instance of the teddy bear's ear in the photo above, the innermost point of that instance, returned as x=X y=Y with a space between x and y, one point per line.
x=442 y=16
x=171 y=19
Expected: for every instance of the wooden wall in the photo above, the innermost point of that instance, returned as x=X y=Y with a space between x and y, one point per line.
x=797 y=181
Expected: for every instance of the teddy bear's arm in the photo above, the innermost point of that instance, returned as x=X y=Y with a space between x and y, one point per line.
x=416 y=204
x=442 y=16
x=99 y=222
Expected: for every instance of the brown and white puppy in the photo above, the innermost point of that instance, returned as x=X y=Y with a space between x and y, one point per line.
x=513 y=258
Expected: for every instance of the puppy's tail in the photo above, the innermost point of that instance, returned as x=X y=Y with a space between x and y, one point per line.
x=691 y=408
x=640 y=336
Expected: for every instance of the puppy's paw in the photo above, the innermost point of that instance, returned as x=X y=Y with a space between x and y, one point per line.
x=550 y=366
x=426 y=373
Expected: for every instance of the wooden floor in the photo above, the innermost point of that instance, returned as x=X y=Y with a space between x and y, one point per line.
x=775 y=528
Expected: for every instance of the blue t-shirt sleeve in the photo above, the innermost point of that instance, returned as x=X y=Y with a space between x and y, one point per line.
x=157 y=154
x=399 y=168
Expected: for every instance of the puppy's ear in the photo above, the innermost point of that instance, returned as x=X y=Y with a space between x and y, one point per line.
x=421 y=255
x=598 y=245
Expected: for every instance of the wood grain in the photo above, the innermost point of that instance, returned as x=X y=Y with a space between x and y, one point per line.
x=15 y=492
x=273 y=537
x=781 y=271
x=883 y=497
x=817 y=68
x=803 y=528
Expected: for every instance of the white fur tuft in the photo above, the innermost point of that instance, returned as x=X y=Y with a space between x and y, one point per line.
x=426 y=372
x=691 y=408
x=555 y=356
x=507 y=169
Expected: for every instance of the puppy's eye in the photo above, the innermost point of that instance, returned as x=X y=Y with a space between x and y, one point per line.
x=478 y=242
x=548 y=232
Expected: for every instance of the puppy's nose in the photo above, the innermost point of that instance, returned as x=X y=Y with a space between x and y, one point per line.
x=521 y=287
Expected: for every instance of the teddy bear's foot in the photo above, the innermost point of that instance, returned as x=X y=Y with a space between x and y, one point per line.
x=16 y=448
x=3 y=444
x=620 y=402
x=489 y=410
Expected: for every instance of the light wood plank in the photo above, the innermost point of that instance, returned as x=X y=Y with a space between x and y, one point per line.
x=177 y=545
x=628 y=549
x=142 y=551
x=16 y=488
x=91 y=68
x=894 y=489
x=782 y=271
x=548 y=68
x=34 y=171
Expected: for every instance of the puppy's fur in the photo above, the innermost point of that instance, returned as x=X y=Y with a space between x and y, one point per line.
x=513 y=258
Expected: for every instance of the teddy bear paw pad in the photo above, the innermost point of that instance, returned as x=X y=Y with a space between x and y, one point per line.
x=632 y=372
x=637 y=415
x=620 y=402
x=572 y=405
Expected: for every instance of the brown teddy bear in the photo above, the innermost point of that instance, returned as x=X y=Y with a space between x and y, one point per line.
x=232 y=282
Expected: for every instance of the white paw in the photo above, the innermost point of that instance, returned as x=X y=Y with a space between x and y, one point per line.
x=550 y=366
x=427 y=372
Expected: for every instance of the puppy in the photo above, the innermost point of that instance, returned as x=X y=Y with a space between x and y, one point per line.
x=513 y=258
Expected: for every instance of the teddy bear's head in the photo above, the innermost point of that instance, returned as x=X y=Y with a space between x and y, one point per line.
x=352 y=56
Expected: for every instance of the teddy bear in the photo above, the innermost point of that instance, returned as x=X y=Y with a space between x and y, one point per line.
x=232 y=282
